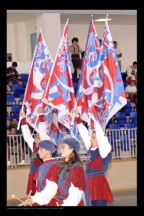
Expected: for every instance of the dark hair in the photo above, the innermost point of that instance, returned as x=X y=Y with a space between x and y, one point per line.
x=13 y=118
x=135 y=62
x=14 y=64
x=75 y=39
x=12 y=126
x=73 y=158
x=114 y=42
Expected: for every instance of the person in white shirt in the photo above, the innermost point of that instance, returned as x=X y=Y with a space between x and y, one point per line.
x=118 y=53
x=131 y=73
x=131 y=90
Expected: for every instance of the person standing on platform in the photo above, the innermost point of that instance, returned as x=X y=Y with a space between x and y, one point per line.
x=76 y=51
x=118 y=53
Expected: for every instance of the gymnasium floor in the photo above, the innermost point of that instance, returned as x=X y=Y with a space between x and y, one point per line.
x=120 y=199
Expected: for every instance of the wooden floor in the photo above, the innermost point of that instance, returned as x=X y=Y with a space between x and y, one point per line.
x=124 y=199
x=120 y=199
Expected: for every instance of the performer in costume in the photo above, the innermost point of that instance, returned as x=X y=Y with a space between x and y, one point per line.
x=72 y=185
x=99 y=150
x=46 y=176
x=33 y=145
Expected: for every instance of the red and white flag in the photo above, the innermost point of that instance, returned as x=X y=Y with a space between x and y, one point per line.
x=59 y=92
x=38 y=77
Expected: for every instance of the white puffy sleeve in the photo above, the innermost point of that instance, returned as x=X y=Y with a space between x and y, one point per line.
x=45 y=196
x=74 y=196
x=27 y=134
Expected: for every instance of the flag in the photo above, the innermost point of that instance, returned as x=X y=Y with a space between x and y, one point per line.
x=59 y=92
x=110 y=97
x=40 y=72
x=54 y=128
x=89 y=72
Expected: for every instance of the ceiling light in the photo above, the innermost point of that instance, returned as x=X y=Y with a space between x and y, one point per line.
x=102 y=20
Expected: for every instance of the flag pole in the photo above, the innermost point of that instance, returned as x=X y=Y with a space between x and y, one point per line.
x=73 y=112
x=35 y=122
x=19 y=120
x=28 y=197
x=17 y=198
x=36 y=119
x=89 y=118
x=32 y=64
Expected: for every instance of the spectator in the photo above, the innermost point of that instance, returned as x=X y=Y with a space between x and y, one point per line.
x=118 y=53
x=76 y=51
x=14 y=144
x=131 y=73
x=13 y=122
x=12 y=75
x=99 y=150
x=8 y=126
x=131 y=90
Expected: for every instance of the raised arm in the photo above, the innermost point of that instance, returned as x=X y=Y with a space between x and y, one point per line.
x=42 y=125
x=26 y=130
x=83 y=131
x=102 y=140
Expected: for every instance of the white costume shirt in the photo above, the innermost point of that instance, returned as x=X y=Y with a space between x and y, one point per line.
x=104 y=145
x=130 y=89
x=74 y=196
x=28 y=136
x=118 y=51
x=129 y=72
x=49 y=191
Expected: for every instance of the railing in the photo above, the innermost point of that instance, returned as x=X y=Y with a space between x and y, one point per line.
x=123 y=141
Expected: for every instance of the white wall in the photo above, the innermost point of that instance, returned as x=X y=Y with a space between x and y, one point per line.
x=23 y=67
x=21 y=41
x=125 y=35
x=51 y=28
x=30 y=29
x=10 y=41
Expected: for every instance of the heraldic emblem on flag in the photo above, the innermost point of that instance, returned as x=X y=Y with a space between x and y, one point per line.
x=59 y=92
x=89 y=73
x=39 y=74
x=110 y=97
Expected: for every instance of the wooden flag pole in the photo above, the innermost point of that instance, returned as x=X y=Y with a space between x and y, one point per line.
x=28 y=196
